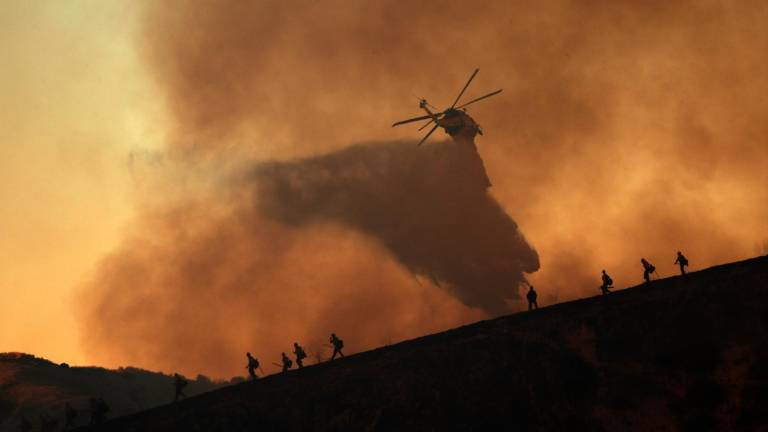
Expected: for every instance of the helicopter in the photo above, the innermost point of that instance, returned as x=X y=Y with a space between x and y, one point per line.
x=454 y=120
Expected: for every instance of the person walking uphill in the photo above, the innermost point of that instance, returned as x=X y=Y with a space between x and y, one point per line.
x=648 y=269
x=69 y=416
x=338 y=344
x=253 y=364
x=682 y=261
x=287 y=363
x=607 y=283
x=532 y=298
x=300 y=354
x=99 y=410
x=24 y=424
x=179 y=383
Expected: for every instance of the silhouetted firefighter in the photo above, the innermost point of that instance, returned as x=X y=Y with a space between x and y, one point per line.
x=607 y=283
x=648 y=269
x=179 y=383
x=69 y=416
x=99 y=410
x=338 y=344
x=24 y=424
x=47 y=423
x=300 y=354
x=532 y=298
x=287 y=363
x=682 y=261
x=253 y=364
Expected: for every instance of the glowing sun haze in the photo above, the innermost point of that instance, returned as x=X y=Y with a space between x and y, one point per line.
x=128 y=134
x=75 y=103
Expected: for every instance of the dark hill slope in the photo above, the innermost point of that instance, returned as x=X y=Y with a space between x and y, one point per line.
x=33 y=387
x=683 y=353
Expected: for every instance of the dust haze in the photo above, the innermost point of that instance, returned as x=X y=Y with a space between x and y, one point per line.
x=625 y=129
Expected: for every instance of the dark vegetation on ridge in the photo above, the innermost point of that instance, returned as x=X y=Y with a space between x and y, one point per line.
x=31 y=387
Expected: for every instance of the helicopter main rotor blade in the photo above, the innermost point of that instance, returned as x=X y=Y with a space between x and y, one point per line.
x=426 y=124
x=465 y=87
x=427 y=135
x=479 y=99
x=424 y=117
x=438 y=115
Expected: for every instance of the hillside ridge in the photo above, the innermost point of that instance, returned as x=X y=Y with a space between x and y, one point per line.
x=679 y=353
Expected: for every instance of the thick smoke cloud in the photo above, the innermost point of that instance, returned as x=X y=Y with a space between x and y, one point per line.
x=428 y=207
x=625 y=129
x=265 y=256
x=274 y=260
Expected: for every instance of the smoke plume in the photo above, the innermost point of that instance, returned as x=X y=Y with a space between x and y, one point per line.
x=625 y=130
x=429 y=208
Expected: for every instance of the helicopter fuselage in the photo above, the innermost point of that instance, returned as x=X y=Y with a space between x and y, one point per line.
x=463 y=129
x=456 y=123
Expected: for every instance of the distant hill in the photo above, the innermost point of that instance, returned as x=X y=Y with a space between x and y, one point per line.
x=32 y=387
x=680 y=354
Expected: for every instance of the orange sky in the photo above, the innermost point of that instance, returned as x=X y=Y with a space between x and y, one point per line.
x=624 y=130
x=75 y=103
